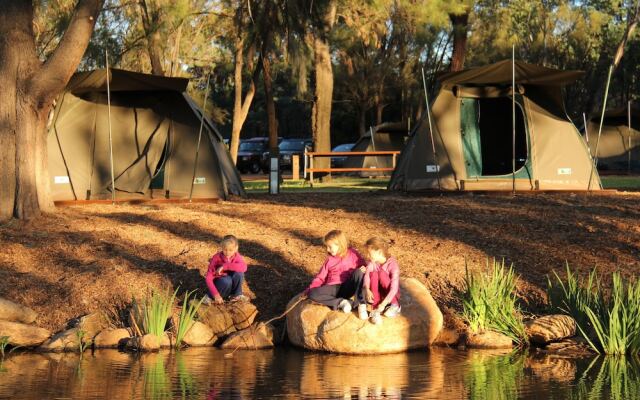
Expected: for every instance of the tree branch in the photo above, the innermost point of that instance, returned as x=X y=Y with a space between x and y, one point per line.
x=58 y=69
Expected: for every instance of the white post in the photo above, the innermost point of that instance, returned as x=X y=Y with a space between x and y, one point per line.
x=113 y=180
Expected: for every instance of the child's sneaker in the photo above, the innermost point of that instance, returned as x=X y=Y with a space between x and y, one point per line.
x=241 y=298
x=375 y=318
x=345 y=306
x=392 y=310
x=362 y=311
x=206 y=300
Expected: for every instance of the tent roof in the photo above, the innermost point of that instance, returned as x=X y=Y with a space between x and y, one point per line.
x=501 y=73
x=121 y=80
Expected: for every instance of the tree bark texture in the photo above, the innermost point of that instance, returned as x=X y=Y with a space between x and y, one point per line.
x=240 y=106
x=460 y=27
x=151 y=25
x=29 y=88
x=272 y=121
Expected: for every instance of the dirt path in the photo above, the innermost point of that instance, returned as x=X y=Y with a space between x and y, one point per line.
x=85 y=258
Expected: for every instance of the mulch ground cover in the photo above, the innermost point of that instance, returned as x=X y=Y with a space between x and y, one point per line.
x=87 y=258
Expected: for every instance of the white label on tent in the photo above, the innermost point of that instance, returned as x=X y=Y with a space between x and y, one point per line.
x=564 y=171
x=433 y=168
x=200 y=180
x=60 y=179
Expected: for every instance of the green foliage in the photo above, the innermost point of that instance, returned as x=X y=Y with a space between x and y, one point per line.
x=489 y=302
x=4 y=342
x=575 y=296
x=151 y=315
x=610 y=324
x=187 y=317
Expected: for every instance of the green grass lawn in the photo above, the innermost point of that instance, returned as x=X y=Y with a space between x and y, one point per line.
x=351 y=184
x=621 y=182
x=337 y=184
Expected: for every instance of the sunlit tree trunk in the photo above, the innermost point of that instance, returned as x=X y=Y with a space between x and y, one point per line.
x=28 y=90
x=460 y=26
x=272 y=121
x=151 y=22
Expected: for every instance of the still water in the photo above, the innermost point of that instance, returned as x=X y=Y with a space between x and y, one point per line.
x=204 y=373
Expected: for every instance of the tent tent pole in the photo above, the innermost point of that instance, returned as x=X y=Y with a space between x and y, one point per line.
x=586 y=130
x=204 y=110
x=604 y=106
x=433 y=144
x=513 y=116
x=373 y=144
x=113 y=183
x=629 y=138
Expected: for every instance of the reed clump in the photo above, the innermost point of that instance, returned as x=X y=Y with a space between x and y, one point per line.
x=611 y=322
x=151 y=314
x=186 y=317
x=489 y=301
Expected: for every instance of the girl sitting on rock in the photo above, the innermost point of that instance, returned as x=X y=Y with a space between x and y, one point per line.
x=340 y=276
x=381 y=285
x=226 y=272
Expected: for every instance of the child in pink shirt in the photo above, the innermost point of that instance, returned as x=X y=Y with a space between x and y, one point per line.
x=340 y=276
x=381 y=285
x=226 y=272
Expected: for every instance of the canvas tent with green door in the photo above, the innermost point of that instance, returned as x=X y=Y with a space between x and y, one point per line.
x=473 y=135
x=388 y=136
x=155 y=128
x=619 y=145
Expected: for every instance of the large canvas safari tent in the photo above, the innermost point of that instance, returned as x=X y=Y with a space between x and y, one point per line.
x=473 y=135
x=388 y=136
x=155 y=129
x=619 y=145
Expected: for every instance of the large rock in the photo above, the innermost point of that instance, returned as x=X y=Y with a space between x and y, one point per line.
x=224 y=319
x=10 y=311
x=111 y=338
x=550 y=328
x=447 y=337
x=148 y=342
x=23 y=335
x=90 y=324
x=489 y=340
x=257 y=336
x=316 y=327
x=199 y=334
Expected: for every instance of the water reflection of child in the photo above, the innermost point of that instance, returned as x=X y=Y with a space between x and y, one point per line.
x=340 y=277
x=381 y=285
x=226 y=272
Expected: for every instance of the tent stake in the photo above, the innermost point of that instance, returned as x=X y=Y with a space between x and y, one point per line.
x=513 y=116
x=204 y=109
x=604 y=106
x=433 y=144
x=113 y=181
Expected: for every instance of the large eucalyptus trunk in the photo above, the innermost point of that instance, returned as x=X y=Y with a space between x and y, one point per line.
x=29 y=88
x=323 y=98
x=151 y=24
x=460 y=27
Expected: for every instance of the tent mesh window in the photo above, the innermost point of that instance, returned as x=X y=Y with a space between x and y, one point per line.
x=487 y=136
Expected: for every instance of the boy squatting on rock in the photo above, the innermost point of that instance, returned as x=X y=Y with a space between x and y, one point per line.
x=226 y=273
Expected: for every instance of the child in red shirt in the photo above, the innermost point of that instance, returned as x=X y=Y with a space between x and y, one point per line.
x=226 y=272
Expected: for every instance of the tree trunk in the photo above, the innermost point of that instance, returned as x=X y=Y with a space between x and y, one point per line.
x=240 y=107
x=272 y=121
x=28 y=90
x=322 y=106
x=460 y=27
x=151 y=25
x=362 y=119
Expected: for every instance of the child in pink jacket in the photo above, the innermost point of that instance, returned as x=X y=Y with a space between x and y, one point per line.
x=381 y=284
x=340 y=276
x=226 y=272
